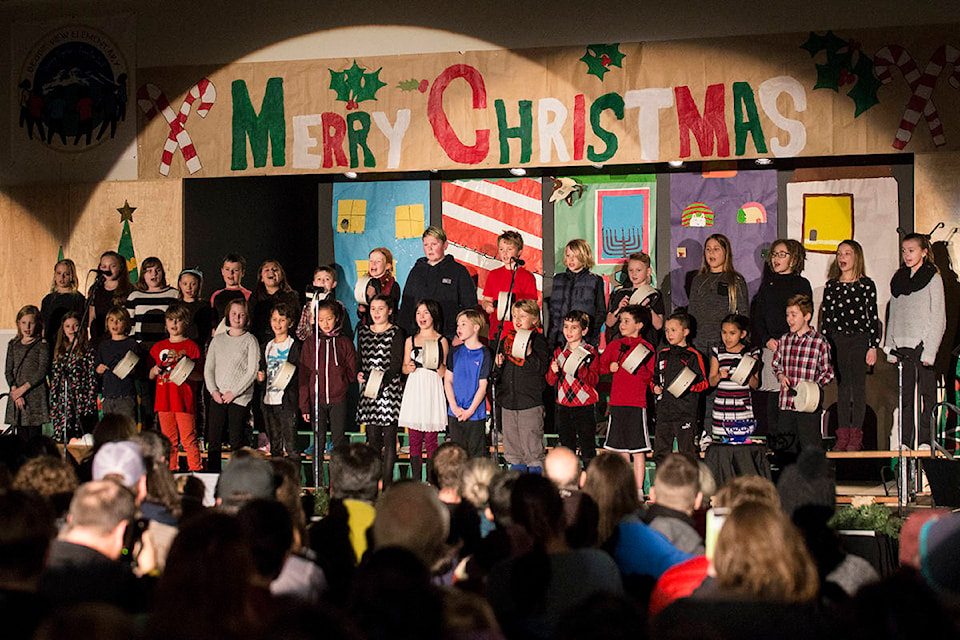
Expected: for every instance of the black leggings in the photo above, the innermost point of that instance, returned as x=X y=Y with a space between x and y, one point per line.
x=917 y=377
x=384 y=438
x=232 y=416
x=849 y=354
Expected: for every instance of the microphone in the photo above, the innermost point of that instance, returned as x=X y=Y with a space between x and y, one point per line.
x=100 y=272
x=897 y=353
x=316 y=289
x=518 y=261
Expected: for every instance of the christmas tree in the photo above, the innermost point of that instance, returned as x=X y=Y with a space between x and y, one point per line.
x=125 y=248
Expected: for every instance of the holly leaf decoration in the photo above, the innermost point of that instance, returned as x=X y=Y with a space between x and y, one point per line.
x=600 y=57
x=356 y=84
x=409 y=85
x=864 y=92
x=845 y=64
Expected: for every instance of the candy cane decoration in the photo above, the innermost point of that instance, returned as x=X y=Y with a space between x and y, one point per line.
x=922 y=85
x=153 y=102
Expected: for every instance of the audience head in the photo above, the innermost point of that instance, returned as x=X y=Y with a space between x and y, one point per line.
x=410 y=515
x=537 y=507
x=562 y=467
x=500 y=490
x=449 y=461
x=113 y=427
x=747 y=489
x=612 y=485
x=124 y=462
x=98 y=517
x=354 y=472
x=475 y=483
x=50 y=477
x=161 y=485
x=677 y=484
x=807 y=482
x=269 y=532
x=760 y=555
x=209 y=573
x=244 y=479
x=26 y=529
x=288 y=494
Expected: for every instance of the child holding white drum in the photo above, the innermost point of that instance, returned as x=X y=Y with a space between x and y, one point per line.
x=680 y=378
x=802 y=365
x=423 y=409
x=734 y=371
x=630 y=360
x=523 y=358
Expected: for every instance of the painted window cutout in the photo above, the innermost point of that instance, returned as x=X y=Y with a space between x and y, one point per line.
x=351 y=216
x=409 y=220
x=827 y=221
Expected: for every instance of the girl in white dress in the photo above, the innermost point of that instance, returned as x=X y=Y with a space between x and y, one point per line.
x=423 y=410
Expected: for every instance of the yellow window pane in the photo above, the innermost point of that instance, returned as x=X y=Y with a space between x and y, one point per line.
x=827 y=221
x=409 y=219
x=351 y=216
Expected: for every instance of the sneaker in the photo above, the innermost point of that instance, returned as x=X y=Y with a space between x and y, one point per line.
x=309 y=450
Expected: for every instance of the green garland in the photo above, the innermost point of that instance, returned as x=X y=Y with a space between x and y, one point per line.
x=871 y=517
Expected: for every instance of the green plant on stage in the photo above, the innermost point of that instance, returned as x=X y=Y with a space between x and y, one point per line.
x=870 y=517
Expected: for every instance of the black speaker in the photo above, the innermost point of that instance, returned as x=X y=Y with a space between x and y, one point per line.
x=944 y=477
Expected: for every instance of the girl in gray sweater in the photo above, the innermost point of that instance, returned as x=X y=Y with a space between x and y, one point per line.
x=914 y=330
x=233 y=359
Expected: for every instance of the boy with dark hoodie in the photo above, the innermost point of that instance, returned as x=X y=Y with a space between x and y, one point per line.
x=328 y=364
x=437 y=276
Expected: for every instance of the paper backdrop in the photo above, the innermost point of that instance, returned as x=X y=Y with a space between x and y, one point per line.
x=616 y=215
x=822 y=214
x=367 y=215
x=475 y=212
x=740 y=205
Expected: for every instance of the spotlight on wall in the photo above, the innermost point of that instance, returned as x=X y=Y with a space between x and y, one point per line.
x=350 y=174
x=763 y=162
x=518 y=171
x=675 y=164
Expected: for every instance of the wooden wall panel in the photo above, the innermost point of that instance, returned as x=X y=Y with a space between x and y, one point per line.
x=38 y=219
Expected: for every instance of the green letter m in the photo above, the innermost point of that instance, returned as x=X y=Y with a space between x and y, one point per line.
x=270 y=122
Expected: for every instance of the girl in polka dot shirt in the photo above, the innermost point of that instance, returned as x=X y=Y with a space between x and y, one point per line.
x=849 y=320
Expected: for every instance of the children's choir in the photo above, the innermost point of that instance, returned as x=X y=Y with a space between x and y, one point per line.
x=427 y=357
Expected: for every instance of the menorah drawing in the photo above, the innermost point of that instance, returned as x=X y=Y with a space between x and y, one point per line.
x=620 y=243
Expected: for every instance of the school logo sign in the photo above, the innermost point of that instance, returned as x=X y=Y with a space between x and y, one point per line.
x=72 y=89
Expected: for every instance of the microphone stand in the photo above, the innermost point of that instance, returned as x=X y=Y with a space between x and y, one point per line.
x=495 y=425
x=319 y=448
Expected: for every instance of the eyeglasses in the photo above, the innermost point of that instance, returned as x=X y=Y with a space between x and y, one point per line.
x=780 y=254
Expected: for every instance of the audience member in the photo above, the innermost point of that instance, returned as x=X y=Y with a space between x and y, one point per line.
x=50 y=477
x=26 y=529
x=674 y=496
x=448 y=464
x=244 y=479
x=411 y=516
x=90 y=561
x=562 y=467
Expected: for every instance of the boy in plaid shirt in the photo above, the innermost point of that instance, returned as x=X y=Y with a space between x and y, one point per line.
x=577 y=398
x=803 y=354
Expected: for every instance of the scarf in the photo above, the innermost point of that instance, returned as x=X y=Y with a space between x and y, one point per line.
x=903 y=284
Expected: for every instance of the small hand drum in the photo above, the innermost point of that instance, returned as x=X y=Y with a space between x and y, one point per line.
x=505 y=306
x=635 y=358
x=126 y=365
x=283 y=377
x=682 y=382
x=181 y=371
x=520 y=342
x=571 y=364
x=431 y=355
x=642 y=293
x=372 y=386
x=806 y=396
x=741 y=373
x=360 y=291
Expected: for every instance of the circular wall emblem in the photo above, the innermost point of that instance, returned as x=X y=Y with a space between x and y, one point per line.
x=73 y=89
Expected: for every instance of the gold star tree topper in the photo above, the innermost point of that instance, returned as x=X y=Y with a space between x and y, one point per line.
x=126 y=212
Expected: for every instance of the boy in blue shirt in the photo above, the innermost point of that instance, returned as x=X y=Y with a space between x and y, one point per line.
x=468 y=369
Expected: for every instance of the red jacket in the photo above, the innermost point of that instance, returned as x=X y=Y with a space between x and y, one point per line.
x=628 y=390
x=338 y=368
